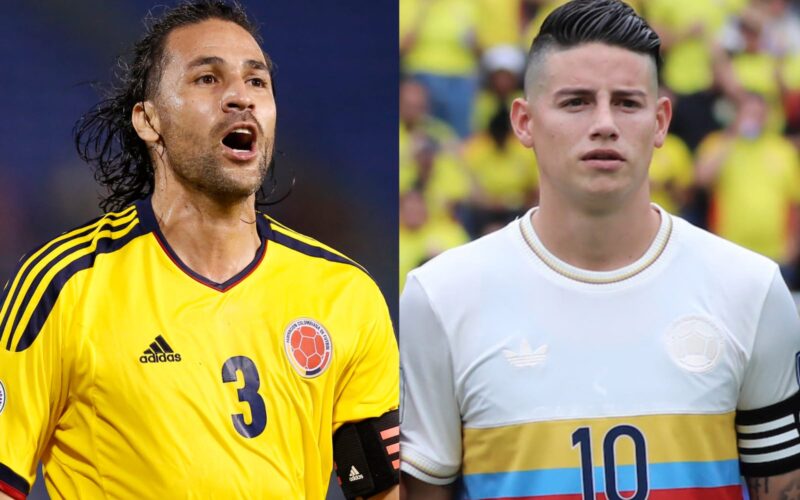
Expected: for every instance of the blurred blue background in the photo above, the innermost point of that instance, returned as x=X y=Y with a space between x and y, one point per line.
x=336 y=91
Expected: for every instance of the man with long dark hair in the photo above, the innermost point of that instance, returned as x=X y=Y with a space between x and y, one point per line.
x=598 y=347
x=185 y=344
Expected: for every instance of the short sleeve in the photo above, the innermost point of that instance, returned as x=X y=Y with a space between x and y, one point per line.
x=369 y=384
x=31 y=384
x=430 y=420
x=767 y=424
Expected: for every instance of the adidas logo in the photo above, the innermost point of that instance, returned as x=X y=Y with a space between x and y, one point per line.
x=526 y=356
x=354 y=474
x=159 y=352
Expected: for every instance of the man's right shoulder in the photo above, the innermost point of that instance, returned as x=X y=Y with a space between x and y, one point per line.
x=44 y=273
x=463 y=265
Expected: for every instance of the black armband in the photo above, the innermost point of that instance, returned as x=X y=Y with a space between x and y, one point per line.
x=367 y=455
x=769 y=438
x=12 y=484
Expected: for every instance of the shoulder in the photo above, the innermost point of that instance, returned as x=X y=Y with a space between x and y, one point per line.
x=732 y=265
x=43 y=274
x=313 y=253
x=464 y=265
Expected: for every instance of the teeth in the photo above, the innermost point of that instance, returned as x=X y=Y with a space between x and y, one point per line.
x=242 y=131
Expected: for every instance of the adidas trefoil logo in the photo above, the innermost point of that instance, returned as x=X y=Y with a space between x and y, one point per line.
x=354 y=474
x=526 y=356
x=159 y=352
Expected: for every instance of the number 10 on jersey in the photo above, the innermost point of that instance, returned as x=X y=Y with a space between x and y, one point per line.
x=582 y=438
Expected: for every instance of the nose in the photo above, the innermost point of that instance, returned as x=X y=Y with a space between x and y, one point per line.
x=604 y=126
x=237 y=97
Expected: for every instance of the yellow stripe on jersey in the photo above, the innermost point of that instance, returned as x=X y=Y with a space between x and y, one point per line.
x=23 y=297
x=670 y=438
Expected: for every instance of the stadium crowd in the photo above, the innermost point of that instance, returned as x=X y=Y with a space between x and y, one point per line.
x=730 y=163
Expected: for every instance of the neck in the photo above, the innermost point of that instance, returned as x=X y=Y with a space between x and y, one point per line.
x=597 y=240
x=216 y=239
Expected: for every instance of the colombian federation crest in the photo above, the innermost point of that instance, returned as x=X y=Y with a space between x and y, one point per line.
x=308 y=347
x=2 y=396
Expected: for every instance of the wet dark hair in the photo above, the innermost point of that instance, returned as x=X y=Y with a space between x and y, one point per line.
x=105 y=137
x=611 y=22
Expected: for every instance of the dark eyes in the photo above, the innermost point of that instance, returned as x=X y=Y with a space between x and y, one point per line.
x=258 y=82
x=574 y=102
x=206 y=79
x=629 y=103
x=577 y=102
x=211 y=79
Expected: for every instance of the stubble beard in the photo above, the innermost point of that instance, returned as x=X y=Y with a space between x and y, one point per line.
x=204 y=171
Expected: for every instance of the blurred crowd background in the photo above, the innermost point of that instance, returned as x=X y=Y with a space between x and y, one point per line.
x=336 y=130
x=730 y=163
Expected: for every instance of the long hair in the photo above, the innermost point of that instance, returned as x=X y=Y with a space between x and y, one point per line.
x=105 y=137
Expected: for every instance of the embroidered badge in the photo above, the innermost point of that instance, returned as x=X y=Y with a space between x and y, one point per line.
x=308 y=346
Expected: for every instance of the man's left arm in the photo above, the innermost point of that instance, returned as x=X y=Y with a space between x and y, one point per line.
x=782 y=487
x=366 y=442
x=767 y=426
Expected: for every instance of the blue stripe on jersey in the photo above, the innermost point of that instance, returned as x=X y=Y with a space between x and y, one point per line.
x=567 y=481
x=27 y=265
x=42 y=309
x=310 y=250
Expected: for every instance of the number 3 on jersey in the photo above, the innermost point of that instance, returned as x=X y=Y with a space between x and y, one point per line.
x=583 y=438
x=247 y=394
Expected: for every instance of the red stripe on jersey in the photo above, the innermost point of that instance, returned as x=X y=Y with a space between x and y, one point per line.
x=11 y=491
x=393 y=448
x=721 y=493
x=390 y=433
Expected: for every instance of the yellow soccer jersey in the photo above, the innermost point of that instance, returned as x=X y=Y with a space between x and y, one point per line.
x=130 y=376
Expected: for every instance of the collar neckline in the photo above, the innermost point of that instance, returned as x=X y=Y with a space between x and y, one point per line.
x=150 y=224
x=574 y=273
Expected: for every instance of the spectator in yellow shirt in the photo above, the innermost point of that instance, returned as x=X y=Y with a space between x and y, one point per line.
x=754 y=178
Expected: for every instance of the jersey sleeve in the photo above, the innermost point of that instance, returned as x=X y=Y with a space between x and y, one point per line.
x=430 y=420
x=31 y=378
x=369 y=385
x=767 y=425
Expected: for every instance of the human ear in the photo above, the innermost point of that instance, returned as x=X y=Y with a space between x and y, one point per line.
x=146 y=123
x=663 y=117
x=521 y=121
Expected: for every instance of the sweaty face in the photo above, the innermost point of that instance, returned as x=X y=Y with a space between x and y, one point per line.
x=215 y=109
x=593 y=117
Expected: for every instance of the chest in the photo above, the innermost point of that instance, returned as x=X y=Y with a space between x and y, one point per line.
x=571 y=355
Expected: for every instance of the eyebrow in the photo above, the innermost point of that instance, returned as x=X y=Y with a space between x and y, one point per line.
x=216 y=60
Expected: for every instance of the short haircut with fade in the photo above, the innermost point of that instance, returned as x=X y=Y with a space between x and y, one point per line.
x=578 y=22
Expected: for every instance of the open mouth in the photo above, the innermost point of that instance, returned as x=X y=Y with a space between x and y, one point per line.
x=239 y=140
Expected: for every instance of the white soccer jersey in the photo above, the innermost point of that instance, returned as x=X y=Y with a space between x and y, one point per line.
x=531 y=378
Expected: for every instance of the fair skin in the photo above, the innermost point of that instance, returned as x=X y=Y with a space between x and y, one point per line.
x=593 y=117
x=593 y=126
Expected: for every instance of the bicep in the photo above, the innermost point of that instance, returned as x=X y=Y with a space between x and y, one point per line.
x=412 y=488
x=775 y=487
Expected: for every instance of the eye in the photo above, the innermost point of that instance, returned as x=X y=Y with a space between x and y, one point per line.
x=206 y=79
x=258 y=82
x=629 y=103
x=574 y=102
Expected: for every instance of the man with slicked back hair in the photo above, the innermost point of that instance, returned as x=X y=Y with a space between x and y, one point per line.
x=598 y=347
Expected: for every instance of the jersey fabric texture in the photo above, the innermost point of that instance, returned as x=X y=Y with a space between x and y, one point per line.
x=527 y=377
x=129 y=375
